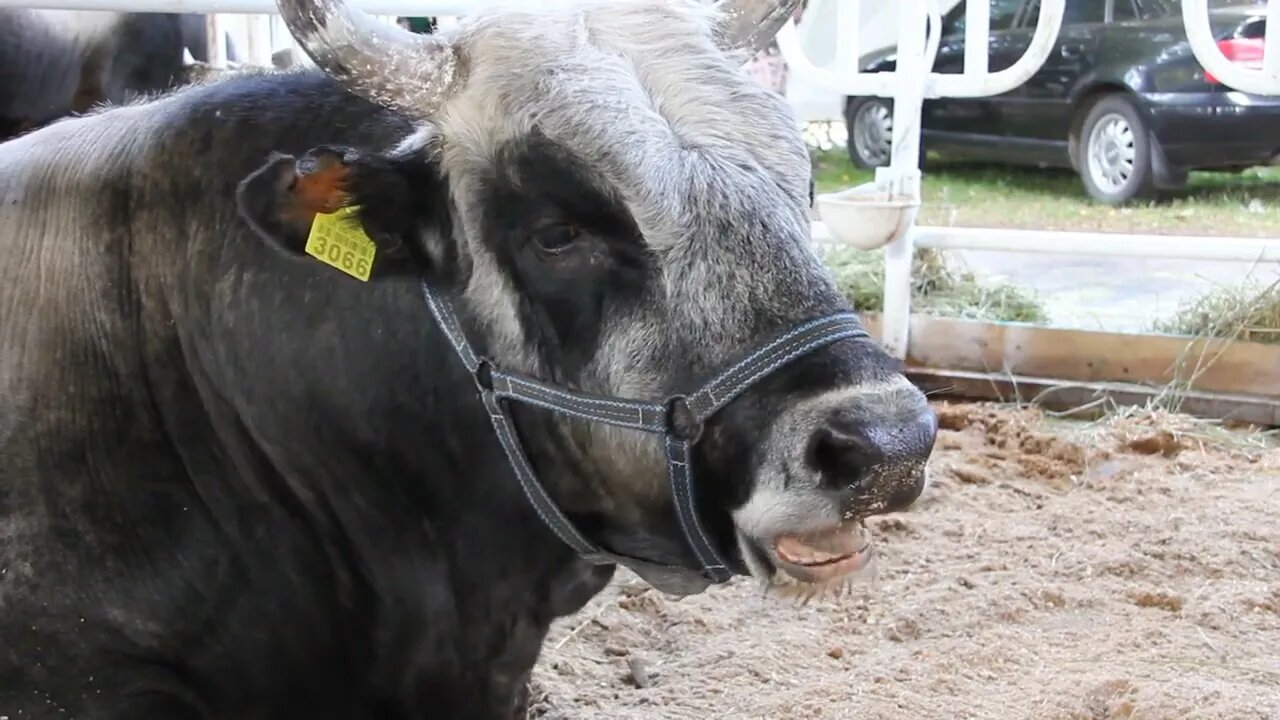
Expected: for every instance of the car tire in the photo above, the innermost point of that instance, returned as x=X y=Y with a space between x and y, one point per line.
x=869 y=123
x=1114 y=152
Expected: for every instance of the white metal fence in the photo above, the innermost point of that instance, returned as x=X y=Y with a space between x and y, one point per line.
x=913 y=79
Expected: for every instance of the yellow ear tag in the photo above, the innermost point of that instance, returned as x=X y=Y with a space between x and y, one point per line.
x=337 y=239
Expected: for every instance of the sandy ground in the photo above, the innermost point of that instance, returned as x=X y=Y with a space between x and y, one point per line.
x=1127 y=569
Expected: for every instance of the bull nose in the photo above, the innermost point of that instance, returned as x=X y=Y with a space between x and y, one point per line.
x=874 y=457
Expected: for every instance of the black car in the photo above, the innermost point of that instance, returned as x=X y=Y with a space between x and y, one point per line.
x=1121 y=99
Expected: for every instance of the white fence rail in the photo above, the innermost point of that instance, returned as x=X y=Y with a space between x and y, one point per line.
x=265 y=7
x=258 y=36
x=1097 y=244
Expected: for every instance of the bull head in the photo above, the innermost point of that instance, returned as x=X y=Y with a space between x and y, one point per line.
x=622 y=213
x=416 y=74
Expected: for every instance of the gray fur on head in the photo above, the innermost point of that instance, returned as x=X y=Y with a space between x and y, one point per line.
x=649 y=102
x=708 y=162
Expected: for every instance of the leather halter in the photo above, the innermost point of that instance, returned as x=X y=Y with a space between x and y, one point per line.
x=679 y=419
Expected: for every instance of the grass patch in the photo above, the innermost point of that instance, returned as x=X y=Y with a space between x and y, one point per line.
x=1245 y=312
x=1243 y=204
x=937 y=288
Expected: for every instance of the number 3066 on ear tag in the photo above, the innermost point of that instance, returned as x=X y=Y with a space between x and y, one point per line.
x=338 y=240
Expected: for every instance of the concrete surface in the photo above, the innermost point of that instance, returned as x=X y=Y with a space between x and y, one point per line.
x=1106 y=293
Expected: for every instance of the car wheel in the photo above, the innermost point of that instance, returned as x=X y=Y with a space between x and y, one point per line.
x=1115 y=153
x=869 y=122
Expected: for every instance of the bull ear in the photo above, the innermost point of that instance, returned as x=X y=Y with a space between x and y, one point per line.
x=388 y=200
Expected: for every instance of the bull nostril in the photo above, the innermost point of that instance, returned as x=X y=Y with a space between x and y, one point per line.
x=848 y=452
x=841 y=457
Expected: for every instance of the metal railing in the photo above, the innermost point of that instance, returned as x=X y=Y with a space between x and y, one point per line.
x=913 y=79
x=909 y=83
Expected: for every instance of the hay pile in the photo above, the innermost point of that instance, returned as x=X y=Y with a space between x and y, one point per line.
x=1245 y=312
x=937 y=288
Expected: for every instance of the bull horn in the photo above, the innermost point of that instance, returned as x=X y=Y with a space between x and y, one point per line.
x=410 y=73
x=751 y=24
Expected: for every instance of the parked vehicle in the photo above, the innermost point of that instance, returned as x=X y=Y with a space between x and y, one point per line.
x=1121 y=99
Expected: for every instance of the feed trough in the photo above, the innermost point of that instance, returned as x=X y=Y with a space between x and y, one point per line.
x=865 y=216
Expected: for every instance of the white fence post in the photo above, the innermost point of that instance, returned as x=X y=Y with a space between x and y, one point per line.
x=216 y=40
x=902 y=176
x=258 y=46
x=1264 y=80
x=909 y=83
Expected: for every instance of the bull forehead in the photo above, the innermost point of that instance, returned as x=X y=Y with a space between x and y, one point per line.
x=709 y=162
x=638 y=92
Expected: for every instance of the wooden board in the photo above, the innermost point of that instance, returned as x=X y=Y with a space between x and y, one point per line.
x=1054 y=395
x=1067 y=369
x=1234 y=368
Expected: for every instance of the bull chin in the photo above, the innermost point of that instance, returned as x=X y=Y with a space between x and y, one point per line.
x=672 y=581
x=834 y=555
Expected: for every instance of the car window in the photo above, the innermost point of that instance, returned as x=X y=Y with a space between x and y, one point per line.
x=1085 y=11
x=1003 y=14
x=1150 y=9
x=1077 y=12
x=1124 y=10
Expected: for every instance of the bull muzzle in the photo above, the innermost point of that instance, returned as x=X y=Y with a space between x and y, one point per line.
x=874 y=465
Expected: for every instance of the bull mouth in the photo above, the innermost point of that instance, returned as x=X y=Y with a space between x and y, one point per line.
x=815 y=557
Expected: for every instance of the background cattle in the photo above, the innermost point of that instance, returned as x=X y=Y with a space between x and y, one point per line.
x=54 y=63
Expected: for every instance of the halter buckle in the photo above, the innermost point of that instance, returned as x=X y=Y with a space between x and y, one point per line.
x=483 y=374
x=682 y=424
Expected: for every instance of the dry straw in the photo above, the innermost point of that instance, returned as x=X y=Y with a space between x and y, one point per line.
x=938 y=287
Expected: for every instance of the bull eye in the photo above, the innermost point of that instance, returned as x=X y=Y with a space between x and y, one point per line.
x=555 y=239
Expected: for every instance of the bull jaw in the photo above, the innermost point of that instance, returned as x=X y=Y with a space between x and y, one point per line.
x=823 y=557
x=811 y=563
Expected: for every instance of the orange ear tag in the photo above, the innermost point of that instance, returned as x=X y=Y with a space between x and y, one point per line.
x=338 y=240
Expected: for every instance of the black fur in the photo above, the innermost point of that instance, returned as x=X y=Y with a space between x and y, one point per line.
x=288 y=502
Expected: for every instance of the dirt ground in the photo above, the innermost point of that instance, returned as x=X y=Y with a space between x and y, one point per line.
x=1127 y=568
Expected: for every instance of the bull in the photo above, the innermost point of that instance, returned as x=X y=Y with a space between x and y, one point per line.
x=574 y=322
x=56 y=63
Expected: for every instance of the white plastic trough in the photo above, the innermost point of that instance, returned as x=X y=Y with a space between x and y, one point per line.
x=865 y=216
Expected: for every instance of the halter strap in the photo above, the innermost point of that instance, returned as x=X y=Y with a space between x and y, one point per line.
x=680 y=420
